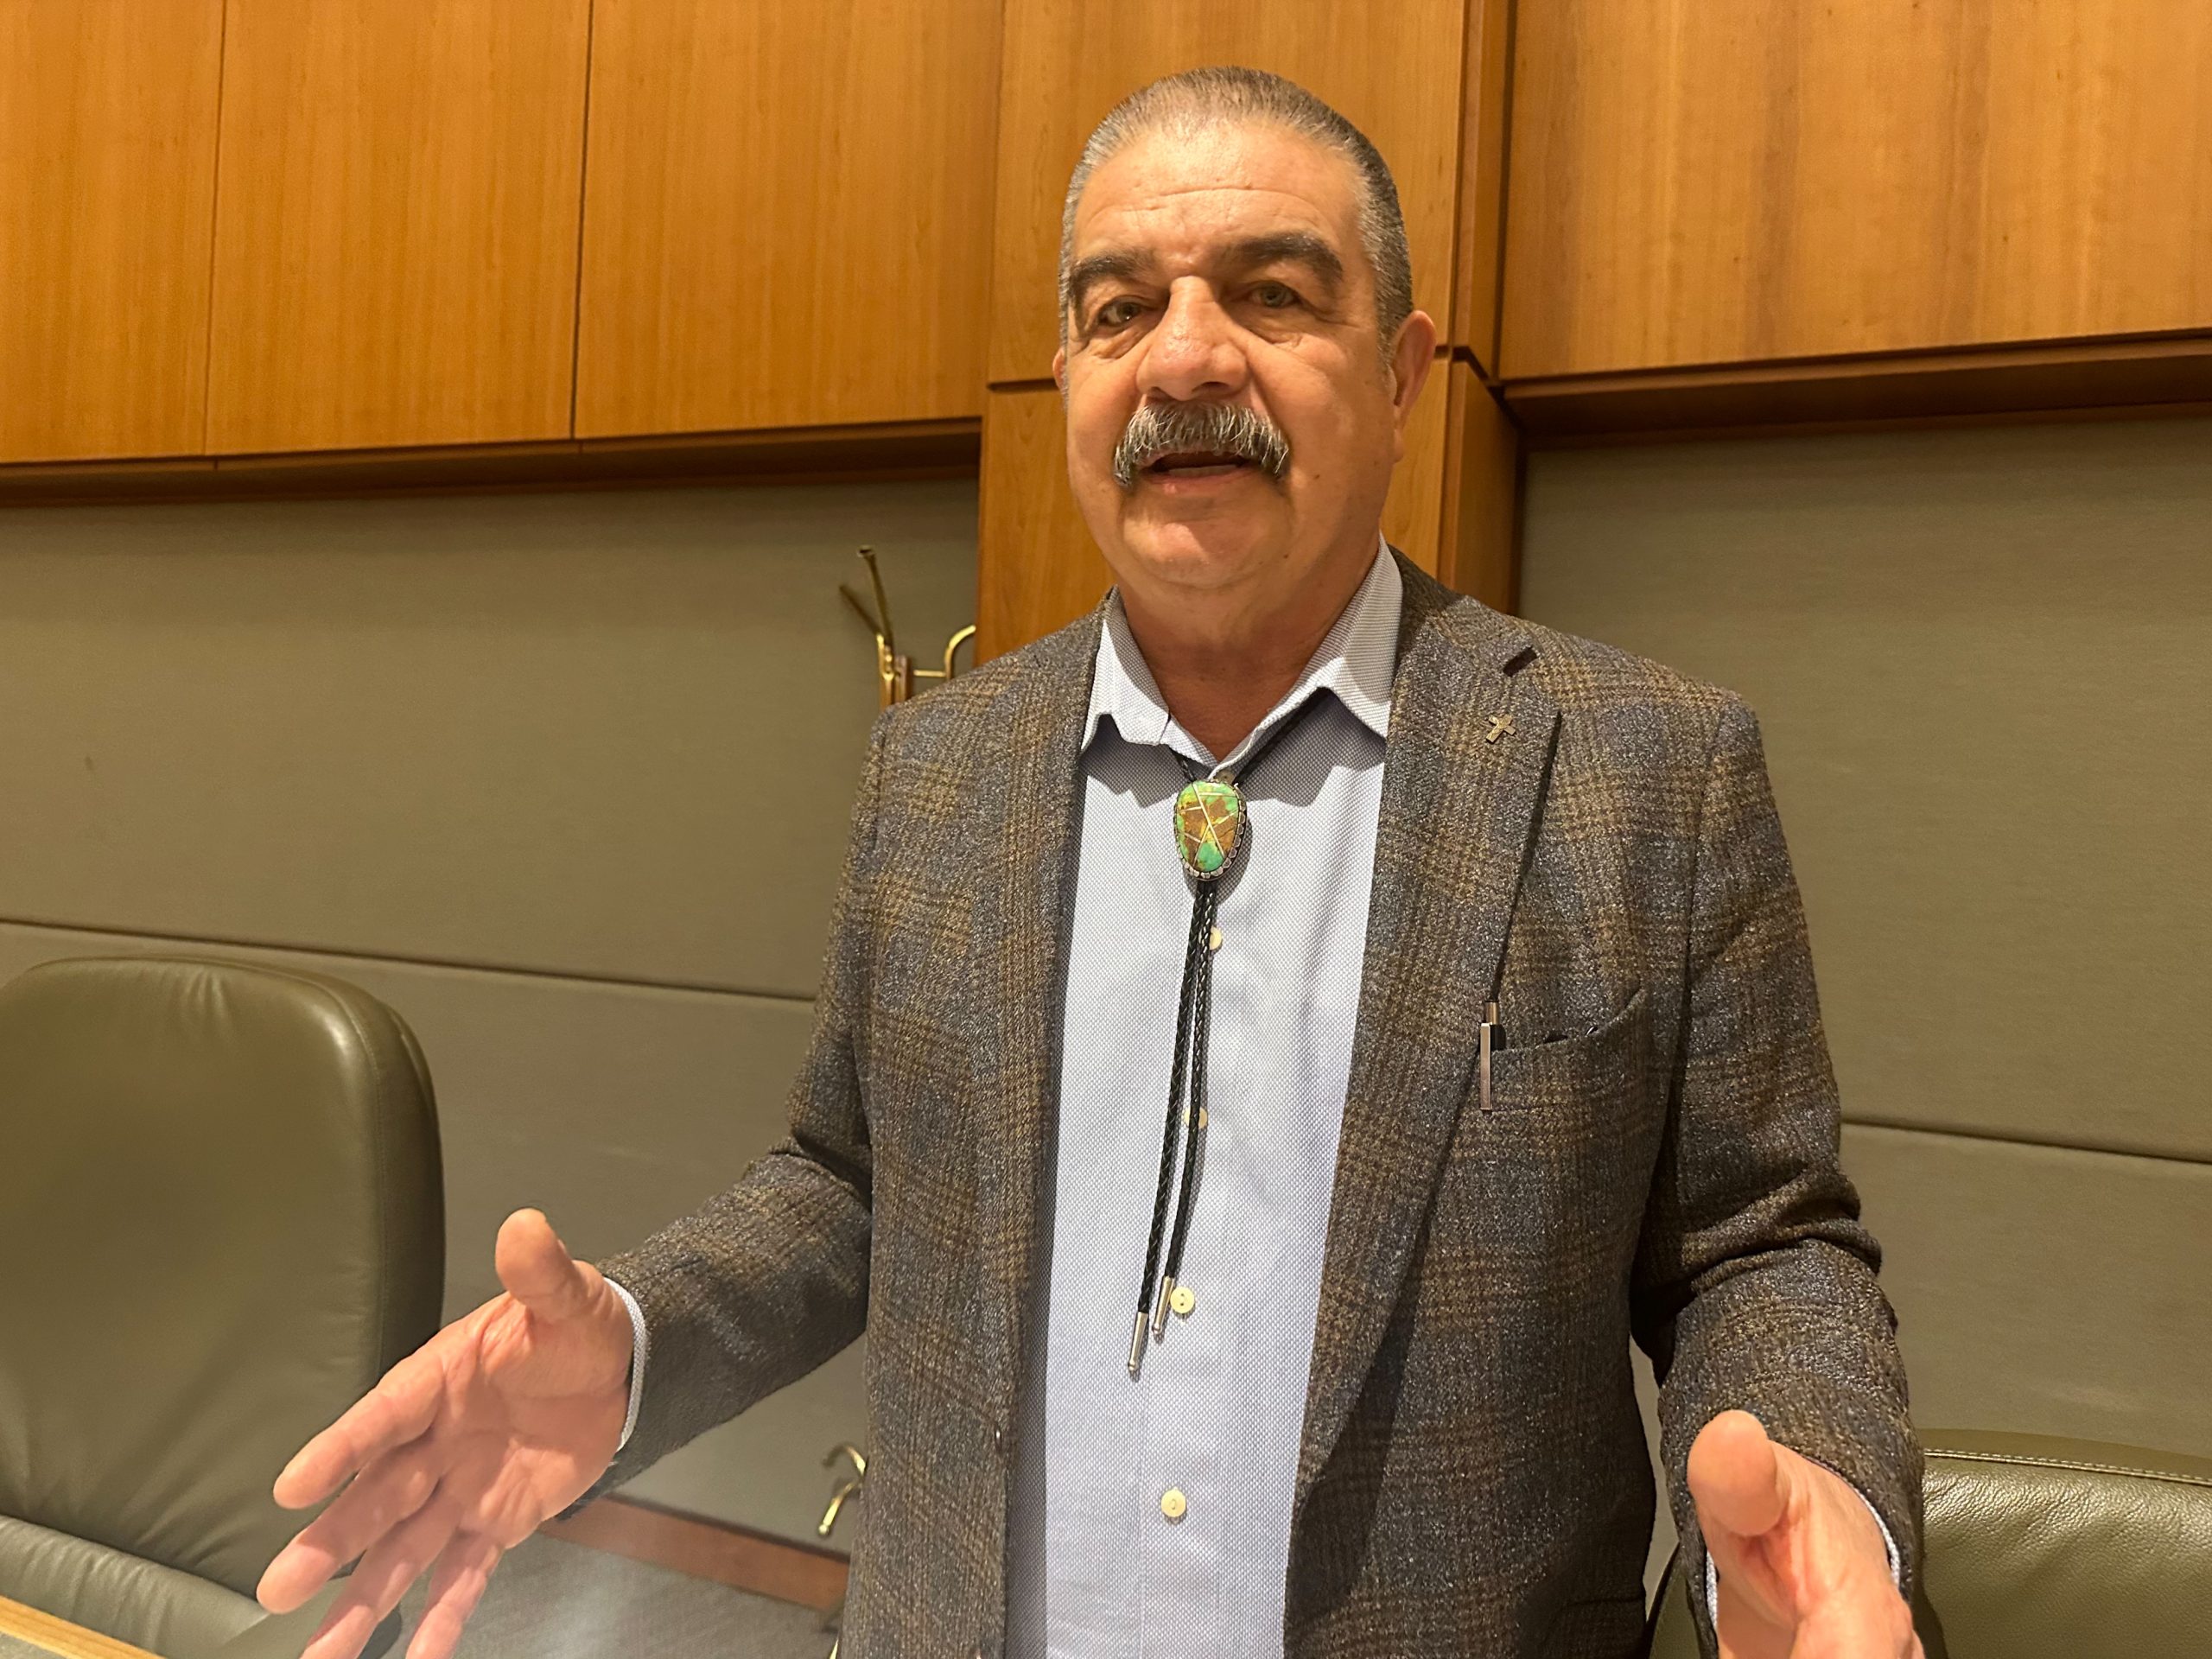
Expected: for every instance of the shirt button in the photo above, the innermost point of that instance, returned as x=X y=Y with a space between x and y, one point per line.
x=1182 y=1301
x=1173 y=1504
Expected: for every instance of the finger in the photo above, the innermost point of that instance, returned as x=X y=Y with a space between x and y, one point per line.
x=383 y=1577
x=536 y=1268
x=1735 y=1478
x=391 y=1413
x=390 y=1490
x=456 y=1587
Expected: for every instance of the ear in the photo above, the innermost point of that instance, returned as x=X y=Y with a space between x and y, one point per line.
x=1412 y=353
x=1060 y=370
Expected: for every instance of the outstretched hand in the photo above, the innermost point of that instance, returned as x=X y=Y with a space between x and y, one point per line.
x=499 y=1422
x=1804 y=1574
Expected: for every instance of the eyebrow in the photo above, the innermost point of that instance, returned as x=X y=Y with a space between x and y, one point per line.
x=1294 y=247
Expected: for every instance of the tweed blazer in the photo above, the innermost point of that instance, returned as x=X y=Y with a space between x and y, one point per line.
x=1583 y=836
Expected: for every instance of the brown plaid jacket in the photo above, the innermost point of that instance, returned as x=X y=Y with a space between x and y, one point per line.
x=1660 y=1160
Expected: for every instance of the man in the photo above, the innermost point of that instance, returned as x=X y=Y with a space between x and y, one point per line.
x=1340 y=1370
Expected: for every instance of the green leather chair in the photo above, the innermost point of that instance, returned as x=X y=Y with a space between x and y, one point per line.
x=222 y=1219
x=2041 y=1549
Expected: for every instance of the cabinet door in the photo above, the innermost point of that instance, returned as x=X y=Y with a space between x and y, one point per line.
x=1039 y=566
x=786 y=214
x=396 y=225
x=1715 y=181
x=107 y=180
x=1391 y=66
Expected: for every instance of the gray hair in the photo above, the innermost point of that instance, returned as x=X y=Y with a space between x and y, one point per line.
x=1199 y=99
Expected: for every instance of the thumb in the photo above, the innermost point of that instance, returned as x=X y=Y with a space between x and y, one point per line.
x=1735 y=1478
x=536 y=1268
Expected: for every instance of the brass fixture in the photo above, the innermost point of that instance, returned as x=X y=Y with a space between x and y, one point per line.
x=895 y=672
x=847 y=1489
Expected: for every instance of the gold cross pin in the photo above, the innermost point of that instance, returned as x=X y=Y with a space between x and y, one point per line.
x=1499 y=726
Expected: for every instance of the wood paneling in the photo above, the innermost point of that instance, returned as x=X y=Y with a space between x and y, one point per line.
x=396 y=223
x=787 y=212
x=107 y=177
x=894 y=451
x=1039 y=566
x=1724 y=181
x=2171 y=375
x=1478 y=548
x=1392 y=66
x=1485 y=102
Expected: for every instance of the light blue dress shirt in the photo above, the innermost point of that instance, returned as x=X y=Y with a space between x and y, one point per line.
x=1210 y=1429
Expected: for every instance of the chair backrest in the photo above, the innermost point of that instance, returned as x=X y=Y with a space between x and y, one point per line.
x=2042 y=1548
x=221 y=1220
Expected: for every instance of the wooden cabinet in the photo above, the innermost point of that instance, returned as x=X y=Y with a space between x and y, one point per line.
x=1040 y=569
x=1485 y=106
x=1716 y=181
x=396 y=225
x=107 y=178
x=785 y=213
x=1392 y=66
x=1478 y=540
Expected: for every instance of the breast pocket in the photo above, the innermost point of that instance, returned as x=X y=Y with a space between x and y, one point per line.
x=1548 y=1185
x=1569 y=1073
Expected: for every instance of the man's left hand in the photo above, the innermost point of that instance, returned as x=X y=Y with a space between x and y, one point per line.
x=1804 y=1574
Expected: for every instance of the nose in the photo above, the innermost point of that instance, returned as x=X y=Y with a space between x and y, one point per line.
x=1192 y=352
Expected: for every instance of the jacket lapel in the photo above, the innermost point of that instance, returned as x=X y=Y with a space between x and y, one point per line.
x=1457 y=815
x=1025 y=833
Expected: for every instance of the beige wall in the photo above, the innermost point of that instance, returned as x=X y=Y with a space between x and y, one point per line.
x=1983 y=662
x=564 y=778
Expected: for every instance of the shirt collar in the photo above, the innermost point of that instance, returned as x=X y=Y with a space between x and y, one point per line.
x=1355 y=661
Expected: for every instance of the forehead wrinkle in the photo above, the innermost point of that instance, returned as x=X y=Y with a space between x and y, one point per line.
x=1152 y=202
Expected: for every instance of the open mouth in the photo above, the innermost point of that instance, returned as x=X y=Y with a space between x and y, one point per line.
x=1198 y=463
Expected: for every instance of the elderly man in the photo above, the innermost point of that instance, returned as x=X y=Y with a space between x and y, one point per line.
x=1282 y=1037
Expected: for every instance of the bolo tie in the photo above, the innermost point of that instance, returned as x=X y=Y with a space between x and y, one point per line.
x=1210 y=829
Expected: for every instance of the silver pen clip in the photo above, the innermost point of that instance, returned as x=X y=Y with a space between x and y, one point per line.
x=1489 y=1032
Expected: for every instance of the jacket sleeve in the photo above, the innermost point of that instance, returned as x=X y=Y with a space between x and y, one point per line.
x=770 y=1279
x=1755 y=1282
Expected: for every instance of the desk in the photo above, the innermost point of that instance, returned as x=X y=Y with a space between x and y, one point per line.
x=27 y=1633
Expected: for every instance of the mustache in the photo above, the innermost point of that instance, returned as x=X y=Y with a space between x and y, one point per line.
x=1158 y=429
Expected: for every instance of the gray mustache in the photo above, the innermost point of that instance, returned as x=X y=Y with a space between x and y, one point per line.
x=1158 y=429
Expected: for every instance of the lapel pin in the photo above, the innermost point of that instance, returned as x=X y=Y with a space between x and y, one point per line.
x=1499 y=726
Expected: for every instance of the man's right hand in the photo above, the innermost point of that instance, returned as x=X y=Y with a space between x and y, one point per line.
x=499 y=1422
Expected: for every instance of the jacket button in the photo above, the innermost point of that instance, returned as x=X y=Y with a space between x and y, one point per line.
x=998 y=1437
